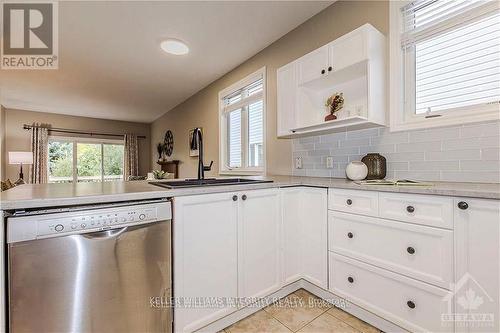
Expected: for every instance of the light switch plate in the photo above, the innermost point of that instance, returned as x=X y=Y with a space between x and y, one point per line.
x=329 y=162
x=298 y=163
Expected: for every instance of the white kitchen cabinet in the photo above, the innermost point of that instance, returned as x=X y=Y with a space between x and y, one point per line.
x=287 y=86
x=477 y=239
x=259 y=247
x=205 y=256
x=313 y=65
x=305 y=224
x=353 y=64
x=348 y=50
x=292 y=233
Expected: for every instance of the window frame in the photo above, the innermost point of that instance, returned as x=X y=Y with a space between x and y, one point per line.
x=402 y=114
x=224 y=168
x=75 y=140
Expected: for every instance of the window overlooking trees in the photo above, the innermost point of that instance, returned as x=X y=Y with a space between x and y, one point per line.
x=84 y=160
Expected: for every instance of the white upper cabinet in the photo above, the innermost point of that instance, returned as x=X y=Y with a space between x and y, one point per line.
x=287 y=93
x=313 y=65
x=347 y=50
x=353 y=65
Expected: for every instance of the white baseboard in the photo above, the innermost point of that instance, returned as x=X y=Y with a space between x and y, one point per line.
x=355 y=310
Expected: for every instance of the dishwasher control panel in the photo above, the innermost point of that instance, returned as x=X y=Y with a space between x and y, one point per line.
x=96 y=221
x=78 y=220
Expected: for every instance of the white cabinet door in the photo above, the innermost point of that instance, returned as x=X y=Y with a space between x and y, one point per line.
x=347 y=50
x=315 y=235
x=205 y=256
x=259 y=271
x=312 y=65
x=305 y=222
x=291 y=199
x=287 y=93
x=477 y=249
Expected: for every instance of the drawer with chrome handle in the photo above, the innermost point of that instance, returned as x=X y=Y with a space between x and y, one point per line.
x=416 y=251
x=353 y=201
x=411 y=304
x=436 y=211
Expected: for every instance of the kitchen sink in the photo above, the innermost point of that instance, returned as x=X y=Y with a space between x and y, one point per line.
x=207 y=182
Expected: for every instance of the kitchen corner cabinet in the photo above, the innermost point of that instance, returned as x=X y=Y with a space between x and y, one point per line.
x=305 y=241
x=353 y=64
x=477 y=248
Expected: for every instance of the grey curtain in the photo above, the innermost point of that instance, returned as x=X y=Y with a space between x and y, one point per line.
x=131 y=158
x=40 y=149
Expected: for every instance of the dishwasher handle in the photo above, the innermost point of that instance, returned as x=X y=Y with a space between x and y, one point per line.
x=106 y=234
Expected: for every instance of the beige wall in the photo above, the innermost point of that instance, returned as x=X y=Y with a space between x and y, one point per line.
x=202 y=108
x=18 y=139
x=2 y=142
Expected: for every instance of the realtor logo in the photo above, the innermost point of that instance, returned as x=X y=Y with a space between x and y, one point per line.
x=29 y=32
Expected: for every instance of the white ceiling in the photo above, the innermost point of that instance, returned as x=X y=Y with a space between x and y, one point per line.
x=111 y=65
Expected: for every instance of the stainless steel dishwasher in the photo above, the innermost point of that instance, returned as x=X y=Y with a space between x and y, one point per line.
x=101 y=268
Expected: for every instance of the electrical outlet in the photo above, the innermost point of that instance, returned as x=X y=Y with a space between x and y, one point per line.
x=329 y=162
x=298 y=163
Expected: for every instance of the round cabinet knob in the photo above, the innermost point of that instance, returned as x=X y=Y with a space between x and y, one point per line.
x=244 y=197
x=330 y=68
x=410 y=209
x=463 y=205
x=59 y=227
x=235 y=197
x=142 y=217
x=410 y=250
x=350 y=235
x=350 y=279
x=323 y=71
x=349 y=202
x=411 y=304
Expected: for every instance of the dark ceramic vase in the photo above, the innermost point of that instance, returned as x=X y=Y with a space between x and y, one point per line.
x=377 y=166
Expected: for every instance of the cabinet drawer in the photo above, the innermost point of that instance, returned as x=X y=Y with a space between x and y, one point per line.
x=353 y=201
x=411 y=304
x=430 y=210
x=416 y=251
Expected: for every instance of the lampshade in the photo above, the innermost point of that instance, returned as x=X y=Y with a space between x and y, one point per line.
x=20 y=157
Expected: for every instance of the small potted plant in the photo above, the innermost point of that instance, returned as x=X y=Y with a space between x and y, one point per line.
x=334 y=103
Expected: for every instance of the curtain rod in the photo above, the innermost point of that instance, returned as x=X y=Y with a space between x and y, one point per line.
x=72 y=131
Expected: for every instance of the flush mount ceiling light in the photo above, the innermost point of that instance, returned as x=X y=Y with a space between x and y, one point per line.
x=174 y=46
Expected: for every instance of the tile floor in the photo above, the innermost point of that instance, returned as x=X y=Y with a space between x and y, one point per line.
x=301 y=312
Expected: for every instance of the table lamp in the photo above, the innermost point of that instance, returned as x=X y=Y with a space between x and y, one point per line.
x=20 y=157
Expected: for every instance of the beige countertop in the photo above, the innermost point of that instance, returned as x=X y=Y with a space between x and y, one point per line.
x=50 y=195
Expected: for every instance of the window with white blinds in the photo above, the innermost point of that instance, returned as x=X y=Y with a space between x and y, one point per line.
x=451 y=51
x=242 y=125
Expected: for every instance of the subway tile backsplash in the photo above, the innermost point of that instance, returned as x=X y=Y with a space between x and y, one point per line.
x=467 y=153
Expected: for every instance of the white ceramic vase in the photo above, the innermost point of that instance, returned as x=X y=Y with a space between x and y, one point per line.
x=356 y=170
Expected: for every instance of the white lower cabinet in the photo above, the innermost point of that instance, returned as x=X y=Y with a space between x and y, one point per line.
x=426 y=263
x=413 y=305
x=259 y=237
x=205 y=257
x=305 y=234
x=419 y=252
x=477 y=250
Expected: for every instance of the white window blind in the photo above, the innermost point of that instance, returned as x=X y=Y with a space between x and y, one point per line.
x=243 y=113
x=452 y=54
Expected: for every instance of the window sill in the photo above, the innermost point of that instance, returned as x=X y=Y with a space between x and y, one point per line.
x=444 y=121
x=242 y=172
